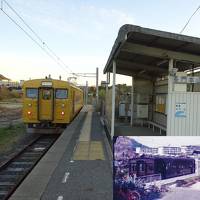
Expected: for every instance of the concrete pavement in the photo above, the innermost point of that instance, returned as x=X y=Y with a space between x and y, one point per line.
x=182 y=194
x=78 y=166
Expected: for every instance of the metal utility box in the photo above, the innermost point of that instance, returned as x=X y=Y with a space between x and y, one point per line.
x=142 y=111
x=124 y=109
x=122 y=112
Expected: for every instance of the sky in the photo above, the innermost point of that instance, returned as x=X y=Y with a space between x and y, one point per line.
x=81 y=33
x=167 y=141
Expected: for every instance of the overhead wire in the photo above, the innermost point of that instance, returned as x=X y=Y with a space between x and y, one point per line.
x=39 y=38
x=47 y=47
x=43 y=44
x=188 y=21
x=27 y=34
x=54 y=57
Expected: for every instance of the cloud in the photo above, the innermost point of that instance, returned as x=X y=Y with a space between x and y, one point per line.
x=153 y=141
x=29 y=66
x=22 y=67
x=85 y=32
x=104 y=19
x=117 y=16
x=74 y=18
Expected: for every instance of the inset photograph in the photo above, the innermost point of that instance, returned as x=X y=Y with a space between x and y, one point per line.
x=150 y=168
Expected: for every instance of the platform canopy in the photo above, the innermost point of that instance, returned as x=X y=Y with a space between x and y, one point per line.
x=143 y=52
x=2 y=78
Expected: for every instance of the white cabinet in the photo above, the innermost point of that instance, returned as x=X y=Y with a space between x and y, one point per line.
x=180 y=87
x=122 y=109
x=122 y=112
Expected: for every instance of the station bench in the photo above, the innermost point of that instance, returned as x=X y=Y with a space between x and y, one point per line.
x=158 y=126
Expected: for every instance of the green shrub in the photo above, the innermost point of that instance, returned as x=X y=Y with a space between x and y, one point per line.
x=7 y=94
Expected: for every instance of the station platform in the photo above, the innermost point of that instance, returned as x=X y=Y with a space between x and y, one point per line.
x=123 y=128
x=77 y=166
x=127 y=130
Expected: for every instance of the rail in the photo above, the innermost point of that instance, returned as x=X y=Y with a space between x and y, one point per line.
x=14 y=171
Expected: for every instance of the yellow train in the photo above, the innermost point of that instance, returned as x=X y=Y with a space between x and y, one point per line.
x=50 y=103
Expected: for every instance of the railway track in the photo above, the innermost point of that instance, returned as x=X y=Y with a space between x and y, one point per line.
x=14 y=171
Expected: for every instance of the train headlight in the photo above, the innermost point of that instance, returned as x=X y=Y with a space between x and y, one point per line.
x=62 y=113
x=63 y=105
x=29 y=104
x=29 y=112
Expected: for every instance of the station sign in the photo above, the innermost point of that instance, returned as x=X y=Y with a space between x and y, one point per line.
x=104 y=83
x=47 y=83
x=180 y=110
x=187 y=79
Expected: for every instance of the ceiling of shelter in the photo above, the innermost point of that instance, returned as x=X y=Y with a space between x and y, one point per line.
x=145 y=52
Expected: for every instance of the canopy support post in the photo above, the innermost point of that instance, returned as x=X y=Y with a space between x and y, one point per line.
x=132 y=100
x=113 y=100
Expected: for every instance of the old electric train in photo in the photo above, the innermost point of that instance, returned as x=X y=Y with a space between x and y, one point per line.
x=49 y=103
x=167 y=167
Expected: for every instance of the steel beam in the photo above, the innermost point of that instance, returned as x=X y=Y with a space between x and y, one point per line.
x=130 y=72
x=134 y=65
x=159 y=52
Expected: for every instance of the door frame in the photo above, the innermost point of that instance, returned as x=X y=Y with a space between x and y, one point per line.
x=52 y=99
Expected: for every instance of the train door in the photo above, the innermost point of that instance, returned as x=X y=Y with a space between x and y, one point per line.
x=133 y=168
x=141 y=168
x=46 y=104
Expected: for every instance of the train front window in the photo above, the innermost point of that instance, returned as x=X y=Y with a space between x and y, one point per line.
x=46 y=94
x=61 y=94
x=32 y=93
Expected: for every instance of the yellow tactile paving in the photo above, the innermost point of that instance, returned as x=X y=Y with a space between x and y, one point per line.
x=81 y=151
x=86 y=129
x=91 y=150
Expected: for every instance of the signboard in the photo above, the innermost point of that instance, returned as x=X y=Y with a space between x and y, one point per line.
x=47 y=83
x=104 y=83
x=180 y=110
x=187 y=79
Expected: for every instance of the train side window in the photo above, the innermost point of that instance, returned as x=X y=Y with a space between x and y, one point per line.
x=61 y=94
x=133 y=167
x=46 y=94
x=150 y=167
x=141 y=167
x=32 y=93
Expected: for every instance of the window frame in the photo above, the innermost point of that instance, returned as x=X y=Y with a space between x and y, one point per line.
x=36 y=97
x=65 y=89
x=43 y=93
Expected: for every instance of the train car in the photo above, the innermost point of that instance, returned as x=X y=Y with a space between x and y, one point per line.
x=50 y=103
x=167 y=167
x=173 y=167
x=141 y=167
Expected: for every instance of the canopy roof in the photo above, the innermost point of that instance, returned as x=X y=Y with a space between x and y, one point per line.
x=2 y=78
x=144 y=52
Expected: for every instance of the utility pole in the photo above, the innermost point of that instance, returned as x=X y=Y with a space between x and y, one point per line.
x=86 y=93
x=97 y=87
x=89 y=75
